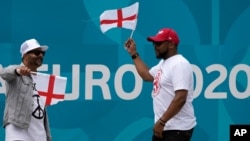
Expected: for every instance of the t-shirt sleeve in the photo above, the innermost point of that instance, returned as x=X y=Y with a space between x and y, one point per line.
x=182 y=76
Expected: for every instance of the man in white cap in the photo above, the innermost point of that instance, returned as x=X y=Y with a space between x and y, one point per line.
x=25 y=116
x=172 y=90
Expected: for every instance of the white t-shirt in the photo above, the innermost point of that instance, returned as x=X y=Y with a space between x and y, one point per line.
x=36 y=130
x=173 y=74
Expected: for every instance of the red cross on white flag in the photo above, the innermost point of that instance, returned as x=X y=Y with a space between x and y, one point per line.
x=51 y=88
x=122 y=18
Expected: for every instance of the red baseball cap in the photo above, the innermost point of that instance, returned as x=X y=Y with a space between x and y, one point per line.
x=165 y=34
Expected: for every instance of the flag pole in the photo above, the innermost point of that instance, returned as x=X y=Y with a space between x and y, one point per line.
x=31 y=72
x=132 y=34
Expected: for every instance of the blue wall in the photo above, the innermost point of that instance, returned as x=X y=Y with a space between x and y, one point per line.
x=214 y=36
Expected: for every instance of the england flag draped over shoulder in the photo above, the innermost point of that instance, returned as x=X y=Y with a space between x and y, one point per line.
x=50 y=88
x=122 y=18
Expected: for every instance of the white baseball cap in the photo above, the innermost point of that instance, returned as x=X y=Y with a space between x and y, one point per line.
x=31 y=44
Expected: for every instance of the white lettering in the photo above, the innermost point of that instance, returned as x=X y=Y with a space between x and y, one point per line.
x=198 y=80
x=233 y=81
x=102 y=82
x=209 y=92
x=239 y=132
x=118 y=83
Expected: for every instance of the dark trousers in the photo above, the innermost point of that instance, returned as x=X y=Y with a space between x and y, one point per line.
x=175 y=135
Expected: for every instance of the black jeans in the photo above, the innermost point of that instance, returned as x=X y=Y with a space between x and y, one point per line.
x=175 y=135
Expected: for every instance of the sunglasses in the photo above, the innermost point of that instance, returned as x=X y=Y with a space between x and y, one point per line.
x=156 y=44
x=36 y=52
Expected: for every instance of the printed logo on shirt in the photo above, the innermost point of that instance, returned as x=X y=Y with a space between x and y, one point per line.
x=38 y=112
x=156 y=83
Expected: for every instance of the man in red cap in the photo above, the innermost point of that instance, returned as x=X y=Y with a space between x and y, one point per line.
x=172 y=90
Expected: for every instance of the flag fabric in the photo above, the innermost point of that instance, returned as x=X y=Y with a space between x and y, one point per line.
x=120 y=18
x=50 y=88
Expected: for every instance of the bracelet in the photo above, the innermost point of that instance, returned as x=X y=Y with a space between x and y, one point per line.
x=135 y=55
x=161 y=123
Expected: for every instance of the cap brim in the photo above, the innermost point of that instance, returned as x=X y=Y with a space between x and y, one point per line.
x=44 y=48
x=155 y=39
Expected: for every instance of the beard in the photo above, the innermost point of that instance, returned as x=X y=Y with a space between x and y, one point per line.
x=36 y=62
x=162 y=55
